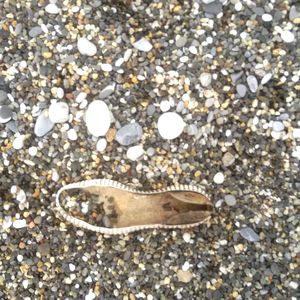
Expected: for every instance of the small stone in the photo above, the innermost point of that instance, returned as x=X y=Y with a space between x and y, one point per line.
x=230 y=200
x=101 y=145
x=143 y=45
x=277 y=126
x=106 y=67
x=187 y=237
x=241 y=90
x=180 y=41
x=72 y=267
x=6 y=114
x=294 y=14
x=134 y=153
x=20 y=223
x=51 y=8
x=228 y=159
x=72 y=134
x=267 y=17
x=59 y=112
x=107 y=91
x=170 y=125
x=249 y=234
x=184 y=276
x=60 y=93
x=205 y=79
x=43 y=125
x=294 y=285
x=129 y=134
x=287 y=36
x=180 y=107
x=3 y=96
x=19 y=257
x=165 y=105
x=97 y=118
x=213 y=8
x=127 y=54
x=185 y=266
x=18 y=142
x=192 y=129
x=35 y=31
x=106 y=221
x=25 y=283
x=32 y=151
x=193 y=50
x=219 y=178
x=266 y=78
x=85 y=47
x=252 y=83
x=150 y=151
x=150 y=110
x=296 y=133
x=80 y=97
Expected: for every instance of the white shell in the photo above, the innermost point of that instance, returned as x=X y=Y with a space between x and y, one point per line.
x=170 y=125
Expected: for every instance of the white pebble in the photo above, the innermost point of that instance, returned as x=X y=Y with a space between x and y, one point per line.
x=135 y=152
x=119 y=62
x=294 y=285
x=59 y=112
x=252 y=83
x=97 y=118
x=106 y=67
x=19 y=257
x=185 y=266
x=186 y=237
x=90 y=296
x=72 y=134
x=21 y=196
x=267 y=17
x=101 y=145
x=80 y=97
x=25 y=283
x=60 y=93
x=238 y=6
x=85 y=47
x=32 y=151
x=19 y=223
x=193 y=50
x=51 y=8
x=205 y=79
x=219 y=178
x=143 y=45
x=277 y=126
x=165 y=105
x=296 y=133
x=170 y=125
x=72 y=267
x=287 y=36
x=127 y=54
x=266 y=78
x=230 y=200
x=18 y=142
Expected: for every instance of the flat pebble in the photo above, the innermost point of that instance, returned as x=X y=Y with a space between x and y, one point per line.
x=287 y=36
x=277 y=126
x=101 y=144
x=150 y=110
x=267 y=17
x=180 y=41
x=165 y=105
x=294 y=14
x=32 y=151
x=52 y=8
x=143 y=45
x=241 y=90
x=107 y=91
x=219 y=178
x=252 y=83
x=35 y=31
x=266 y=78
x=85 y=47
x=6 y=114
x=192 y=129
x=97 y=118
x=135 y=152
x=193 y=50
x=19 y=223
x=184 y=276
x=205 y=79
x=249 y=234
x=59 y=112
x=294 y=285
x=18 y=142
x=43 y=124
x=230 y=200
x=3 y=96
x=129 y=134
x=72 y=134
x=106 y=67
x=228 y=159
x=170 y=125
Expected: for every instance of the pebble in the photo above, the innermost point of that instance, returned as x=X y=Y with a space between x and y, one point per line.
x=80 y=97
x=107 y=91
x=277 y=126
x=18 y=142
x=192 y=129
x=19 y=223
x=180 y=41
x=150 y=151
x=180 y=107
x=170 y=125
x=97 y=118
x=72 y=134
x=135 y=152
x=32 y=151
x=3 y=96
x=143 y=45
x=219 y=178
x=205 y=79
x=213 y=8
x=101 y=144
x=294 y=285
x=241 y=90
x=106 y=67
x=252 y=83
x=6 y=114
x=287 y=36
x=230 y=200
x=59 y=112
x=193 y=50
x=228 y=159
x=35 y=31
x=249 y=234
x=72 y=267
x=85 y=47
x=296 y=133
x=294 y=14
x=184 y=276
x=127 y=54
x=267 y=17
x=60 y=93
x=185 y=266
x=266 y=78
x=43 y=124
x=52 y=8
x=150 y=110
x=186 y=237
x=165 y=105
x=129 y=134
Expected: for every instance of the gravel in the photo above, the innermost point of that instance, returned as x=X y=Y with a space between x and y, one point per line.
x=241 y=146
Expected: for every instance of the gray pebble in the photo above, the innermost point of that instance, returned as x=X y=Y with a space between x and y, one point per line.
x=180 y=41
x=106 y=221
x=192 y=129
x=107 y=91
x=180 y=107
x=3 y=96
x=213 y=8
x=43 y=125
x=129 y=134
x=241 y=90
x=230 y=200
x=249 y=234
x=12 y=125
x=5 y=114
x=150 y=110
x=150 y=151
x=294 y=13
x=35 y=31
